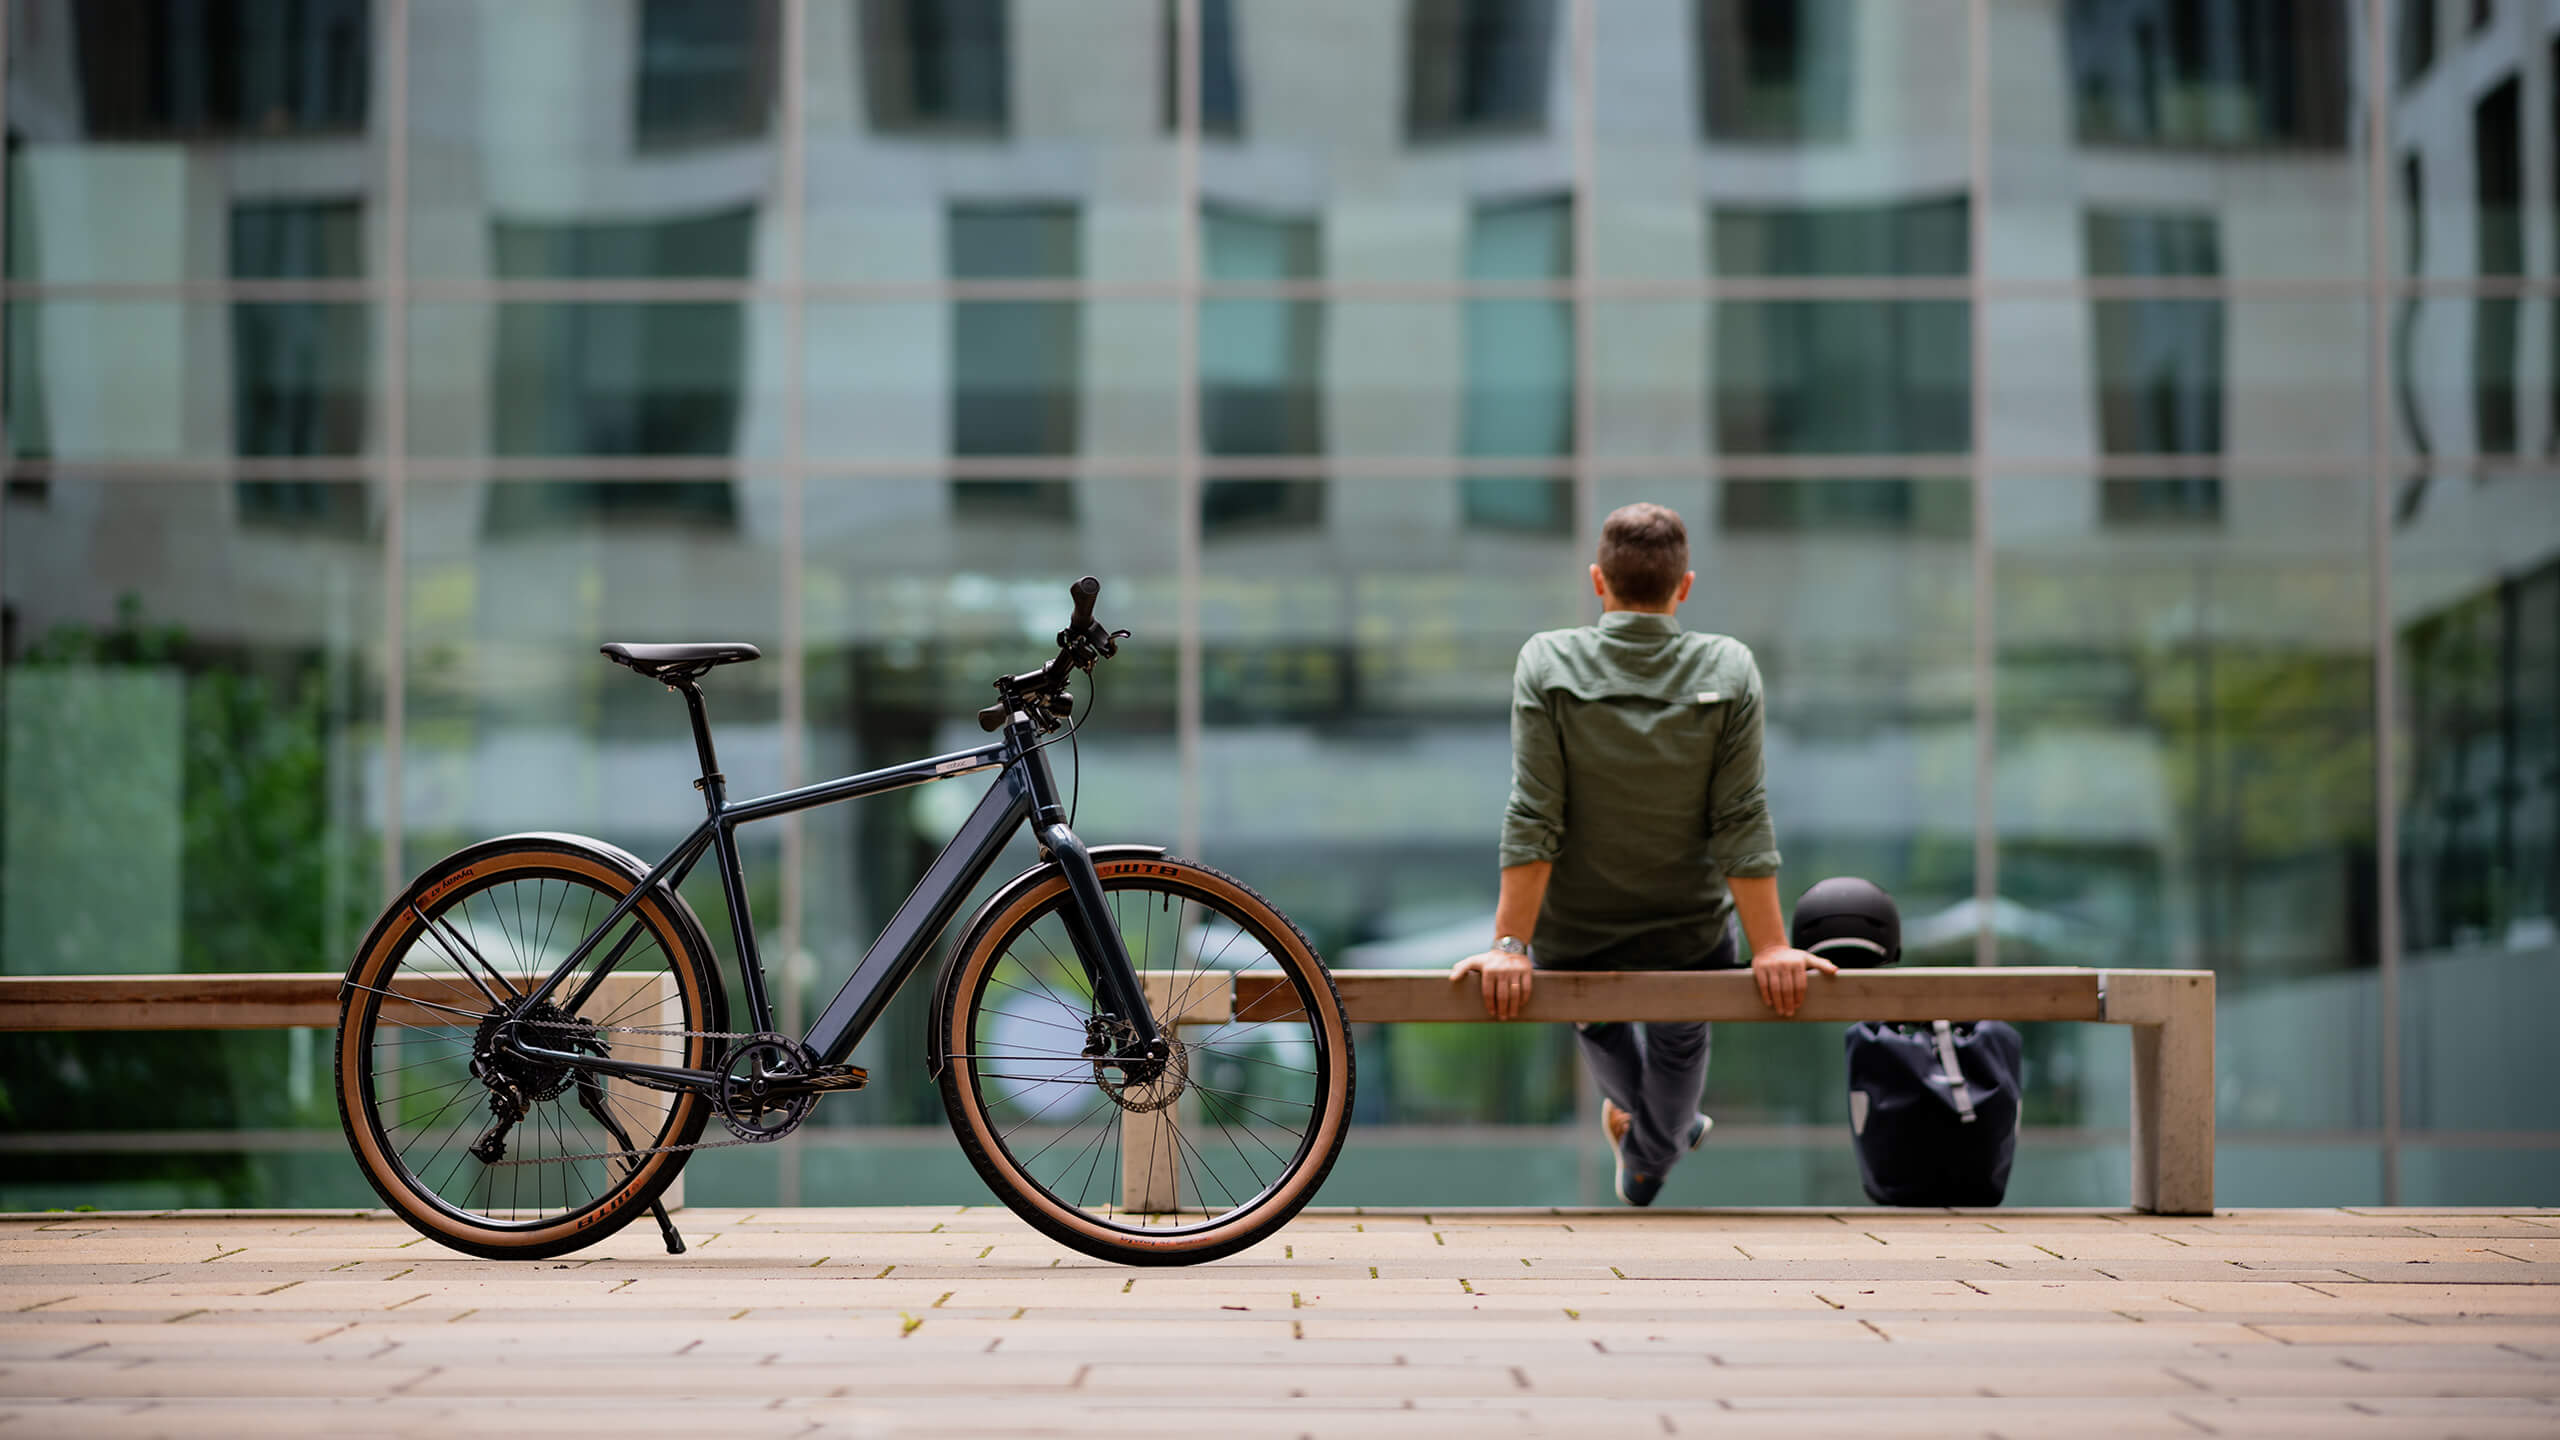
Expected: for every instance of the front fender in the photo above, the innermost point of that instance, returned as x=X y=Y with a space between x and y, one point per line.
x=935 y=1052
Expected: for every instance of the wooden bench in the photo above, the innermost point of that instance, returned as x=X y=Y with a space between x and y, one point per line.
x=298 y=1000
x=2171 y=1012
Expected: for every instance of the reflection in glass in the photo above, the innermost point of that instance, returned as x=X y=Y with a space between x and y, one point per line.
x=1259 y=357
x=1938 y=509
x=2186 y=775
x=1477 y=67
x=187 y=743
x=2176 y=376
x=1775 y=70
x=707 y=71
x=1831 y=377
x=2497 y=144
x=908 y=616
x=2232 y=73
x=2476 y=597
x=1015 y=361
x=151 y=71
x=935 y=65
x=720 y=243
x=1519 y=398
x=154 y=379
x=1912 y=237
x=616 y=379
x=1221 y=88
x=658 y=169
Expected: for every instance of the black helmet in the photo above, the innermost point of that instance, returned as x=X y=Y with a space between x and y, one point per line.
x=1849 y=922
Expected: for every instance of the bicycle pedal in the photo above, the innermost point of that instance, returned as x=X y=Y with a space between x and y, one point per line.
x=838 y=1077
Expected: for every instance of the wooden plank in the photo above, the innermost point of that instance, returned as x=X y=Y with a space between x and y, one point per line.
x=2020 y=993
x=169 y=1002
x=268 y=1001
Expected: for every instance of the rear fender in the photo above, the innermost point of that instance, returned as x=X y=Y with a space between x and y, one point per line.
x=613 y=857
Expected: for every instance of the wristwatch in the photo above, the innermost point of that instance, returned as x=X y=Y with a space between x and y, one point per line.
x=1511 y=945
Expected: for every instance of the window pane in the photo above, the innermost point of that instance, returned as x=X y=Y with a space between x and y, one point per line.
x=922 y=109
x=1461 y=106
x=1477 y=67
x=1520 y=352
x=167 y=380
x=538 y=378
x=2243 y=114
x=192 y=710
x=2272 y=378
x=1733 y=132
x=1357 y=644
x=2475 y=585
x=915 y=597
x=516 y=723
x=2186 y=772
x=1791 y=377
x=991 y=377
x=657 y=165
x=706 y=72
x=128 y=117
x=1294 y=377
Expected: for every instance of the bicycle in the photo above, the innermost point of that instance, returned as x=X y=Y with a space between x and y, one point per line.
x=1100 y=1013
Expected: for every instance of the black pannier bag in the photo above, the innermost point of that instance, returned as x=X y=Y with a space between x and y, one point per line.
x=1934 y=1110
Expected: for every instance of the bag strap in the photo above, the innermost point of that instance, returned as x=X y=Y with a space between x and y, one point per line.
x=1955 y=1072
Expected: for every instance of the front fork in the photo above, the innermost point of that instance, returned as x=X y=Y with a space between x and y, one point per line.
x=1099 y=945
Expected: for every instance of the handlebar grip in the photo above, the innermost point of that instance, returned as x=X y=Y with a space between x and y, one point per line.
x=1084 y=592
x=992 y=718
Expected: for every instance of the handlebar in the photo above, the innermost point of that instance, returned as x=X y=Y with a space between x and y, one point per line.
x=1042 y=692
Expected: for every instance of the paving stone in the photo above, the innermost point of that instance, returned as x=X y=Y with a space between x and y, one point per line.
x=923 y=1320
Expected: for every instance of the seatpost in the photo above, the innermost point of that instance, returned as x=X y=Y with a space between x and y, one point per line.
x=713 y=785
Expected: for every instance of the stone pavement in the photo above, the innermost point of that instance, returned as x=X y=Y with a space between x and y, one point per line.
x=944 y=1321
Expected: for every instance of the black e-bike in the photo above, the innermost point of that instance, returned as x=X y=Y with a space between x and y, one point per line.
x=1141 y=1056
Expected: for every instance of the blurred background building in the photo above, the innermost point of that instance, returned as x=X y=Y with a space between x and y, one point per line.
x=2127 y=430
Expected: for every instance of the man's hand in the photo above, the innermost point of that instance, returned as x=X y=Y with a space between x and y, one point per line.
x=1506 y=981
x=1781 y=974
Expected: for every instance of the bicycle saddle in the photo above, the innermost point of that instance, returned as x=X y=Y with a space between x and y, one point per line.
x=678 y=662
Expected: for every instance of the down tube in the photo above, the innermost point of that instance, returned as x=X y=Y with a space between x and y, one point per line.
x=937 y=897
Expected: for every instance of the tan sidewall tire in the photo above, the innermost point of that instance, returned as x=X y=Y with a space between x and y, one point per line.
x=390 y=1180
x=1027 y=1198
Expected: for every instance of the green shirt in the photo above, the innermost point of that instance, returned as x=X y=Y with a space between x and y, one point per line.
x=1635 y=768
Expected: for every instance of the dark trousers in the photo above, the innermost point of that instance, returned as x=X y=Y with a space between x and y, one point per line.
x=1656 y=1071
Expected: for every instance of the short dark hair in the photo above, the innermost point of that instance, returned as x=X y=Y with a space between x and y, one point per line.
x=1644 y=550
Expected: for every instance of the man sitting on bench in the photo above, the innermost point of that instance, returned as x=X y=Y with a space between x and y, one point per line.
x=1636 y=829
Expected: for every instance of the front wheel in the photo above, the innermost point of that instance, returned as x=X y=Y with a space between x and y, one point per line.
x=1185 y=1157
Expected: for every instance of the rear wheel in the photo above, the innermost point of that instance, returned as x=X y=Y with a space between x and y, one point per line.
x=1170 y=1162
x=474 y=1146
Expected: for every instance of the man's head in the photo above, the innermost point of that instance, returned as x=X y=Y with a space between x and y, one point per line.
x=1644 y=559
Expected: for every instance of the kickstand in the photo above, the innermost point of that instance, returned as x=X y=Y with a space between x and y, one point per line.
x=666 y=1227
x=593 y=1099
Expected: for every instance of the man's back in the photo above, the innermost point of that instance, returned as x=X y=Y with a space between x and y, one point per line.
x=1636 y=770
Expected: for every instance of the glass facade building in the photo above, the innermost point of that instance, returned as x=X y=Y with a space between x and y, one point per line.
x=2128 y=431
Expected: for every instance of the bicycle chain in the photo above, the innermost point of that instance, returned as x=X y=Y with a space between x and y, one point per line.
x=592 y=1029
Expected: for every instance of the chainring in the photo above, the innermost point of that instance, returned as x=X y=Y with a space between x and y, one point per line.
x=751 y=1105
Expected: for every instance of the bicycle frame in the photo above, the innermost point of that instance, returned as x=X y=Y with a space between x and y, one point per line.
x=1024 y=792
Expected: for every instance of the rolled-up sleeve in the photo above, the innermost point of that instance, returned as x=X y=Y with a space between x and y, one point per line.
x=1739 y=835
x=1533 y=819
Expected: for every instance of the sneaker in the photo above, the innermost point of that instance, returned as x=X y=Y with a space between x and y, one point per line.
x=1635 y=1187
